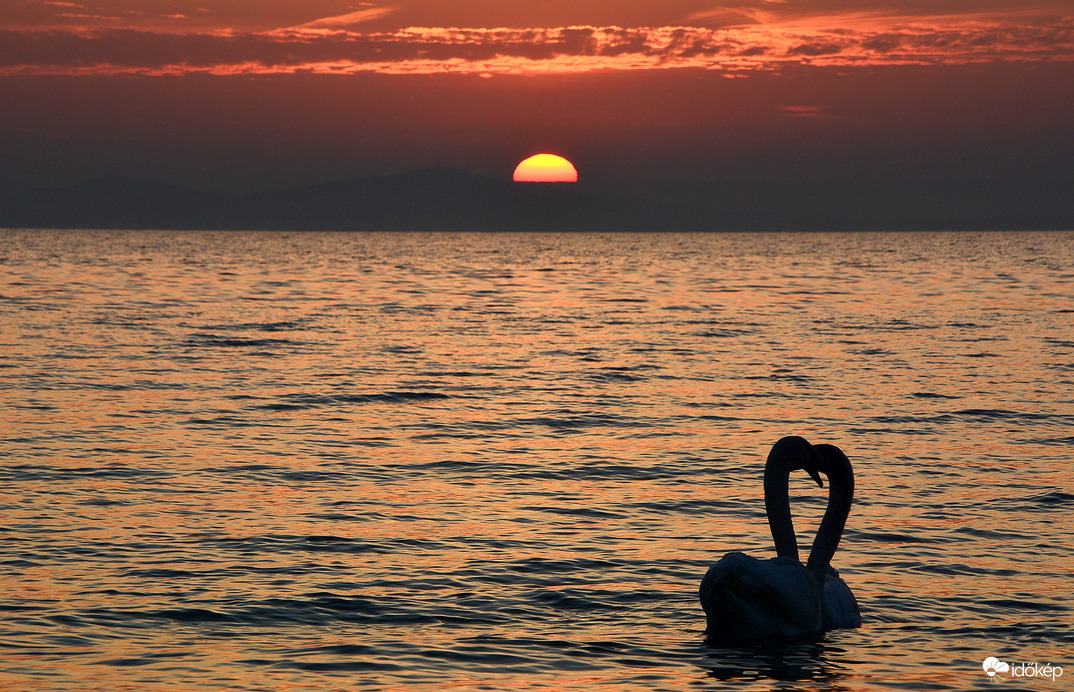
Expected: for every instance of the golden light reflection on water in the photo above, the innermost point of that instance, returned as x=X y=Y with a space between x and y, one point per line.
x=507 y=439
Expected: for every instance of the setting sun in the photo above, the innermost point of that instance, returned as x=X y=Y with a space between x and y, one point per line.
x=546 y=168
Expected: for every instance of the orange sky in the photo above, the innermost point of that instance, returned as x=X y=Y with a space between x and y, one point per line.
x=673 y=96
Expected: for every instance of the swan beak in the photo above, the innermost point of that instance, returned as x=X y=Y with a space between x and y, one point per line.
x=813 y=469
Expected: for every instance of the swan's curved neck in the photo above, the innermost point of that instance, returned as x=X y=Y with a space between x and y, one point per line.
x=836 y=466
x=777 y=502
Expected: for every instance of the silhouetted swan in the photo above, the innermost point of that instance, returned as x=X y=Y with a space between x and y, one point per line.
x=745 y=597
x=839 y=607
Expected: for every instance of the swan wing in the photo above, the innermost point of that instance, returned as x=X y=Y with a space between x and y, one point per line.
x=744 y=597
x=840 y=606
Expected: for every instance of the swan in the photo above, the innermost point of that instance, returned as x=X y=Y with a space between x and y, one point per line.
x=745 y=597
x=839 y=608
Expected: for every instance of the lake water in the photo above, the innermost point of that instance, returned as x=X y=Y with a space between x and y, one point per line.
x=253 y=461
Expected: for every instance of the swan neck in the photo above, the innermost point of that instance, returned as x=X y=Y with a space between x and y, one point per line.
x=777 y=504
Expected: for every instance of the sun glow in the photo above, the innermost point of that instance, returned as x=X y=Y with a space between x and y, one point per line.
x=545 y=168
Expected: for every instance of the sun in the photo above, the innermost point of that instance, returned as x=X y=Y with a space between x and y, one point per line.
x=546 y=168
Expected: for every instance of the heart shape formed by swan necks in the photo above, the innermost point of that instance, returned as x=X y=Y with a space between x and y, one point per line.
x=748 y=598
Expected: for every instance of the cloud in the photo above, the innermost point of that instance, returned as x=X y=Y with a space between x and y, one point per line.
x=880 y=13
x=316 y=48
x=346 y=21
x=807 y=112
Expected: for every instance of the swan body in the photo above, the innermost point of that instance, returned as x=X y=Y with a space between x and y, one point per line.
x=840 y=608
x=748 y=598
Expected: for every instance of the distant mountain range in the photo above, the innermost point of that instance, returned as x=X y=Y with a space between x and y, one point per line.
x=440 y=199
x=433 y=199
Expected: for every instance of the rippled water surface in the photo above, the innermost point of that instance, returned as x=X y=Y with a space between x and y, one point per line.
x=503 y=462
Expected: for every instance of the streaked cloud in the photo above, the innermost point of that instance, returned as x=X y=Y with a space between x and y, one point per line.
x=319 y=47
x=349 y=20
x=806 y=112
x=186 y=15
x=878 y=13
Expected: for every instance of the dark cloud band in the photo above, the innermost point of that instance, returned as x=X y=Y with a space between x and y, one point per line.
x=484 y=51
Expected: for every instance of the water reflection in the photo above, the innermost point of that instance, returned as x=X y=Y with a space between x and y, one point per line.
x=783 y=660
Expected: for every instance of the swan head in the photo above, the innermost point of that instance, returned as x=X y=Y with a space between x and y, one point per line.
x=833 y=463
x=799 y=454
